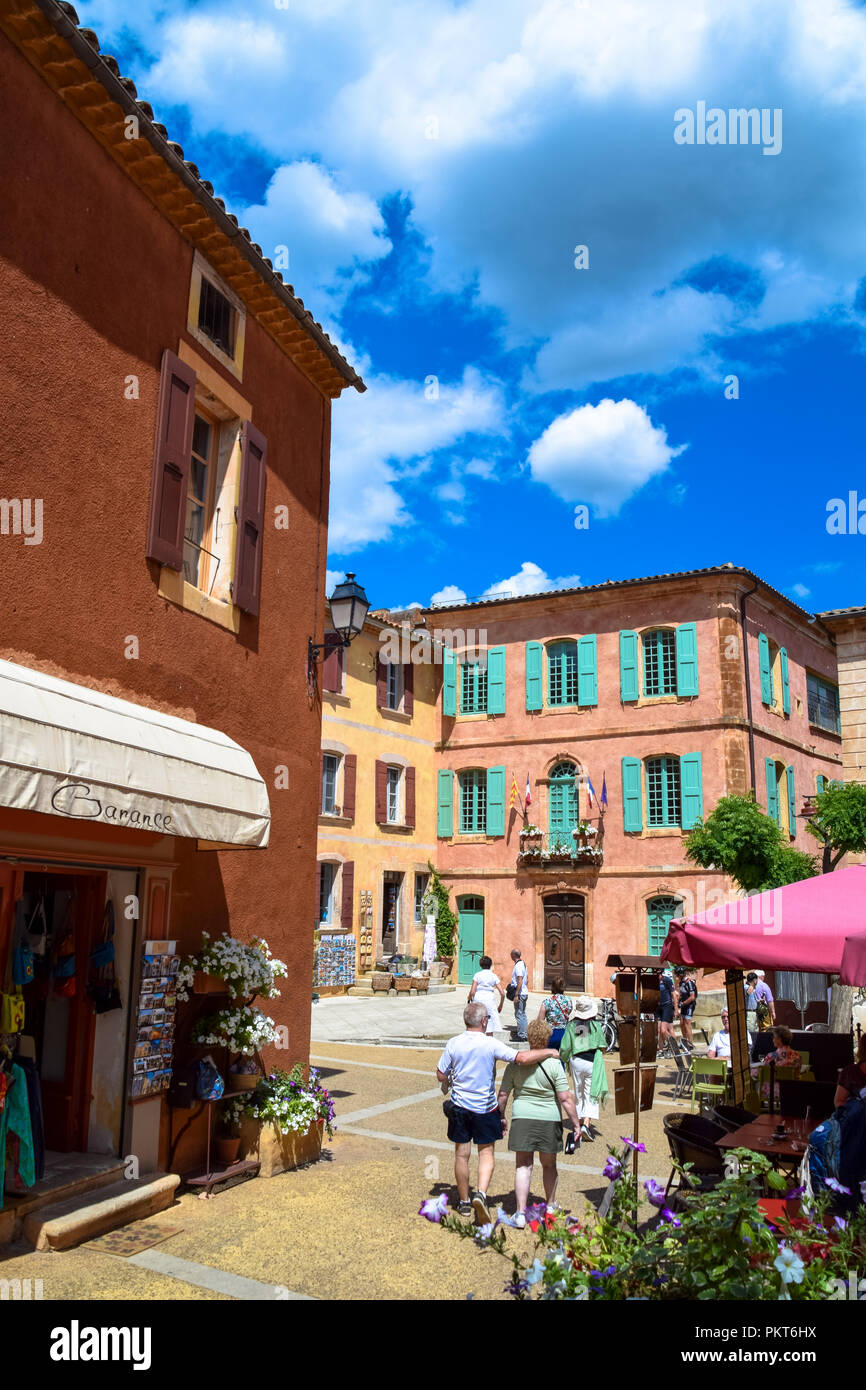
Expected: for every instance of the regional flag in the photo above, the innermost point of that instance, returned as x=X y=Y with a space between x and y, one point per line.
x=513 y=789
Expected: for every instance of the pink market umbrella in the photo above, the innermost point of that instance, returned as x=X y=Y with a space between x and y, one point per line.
x=816 y=925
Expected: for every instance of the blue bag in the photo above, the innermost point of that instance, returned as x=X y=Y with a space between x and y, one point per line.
x=22 y=965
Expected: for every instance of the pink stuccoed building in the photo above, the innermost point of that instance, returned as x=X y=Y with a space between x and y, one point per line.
x=670 y=691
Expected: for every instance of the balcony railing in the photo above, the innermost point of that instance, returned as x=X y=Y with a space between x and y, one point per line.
x=542 y=850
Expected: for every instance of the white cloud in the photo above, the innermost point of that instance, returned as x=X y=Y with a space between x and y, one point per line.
x=530 y=579
x=389 y=429
x=449 y=594
x=328 y=231
x=332 y=579
x=800 y=590
x=601 y=454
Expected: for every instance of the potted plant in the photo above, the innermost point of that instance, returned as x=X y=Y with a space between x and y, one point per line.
x=228 y=966
x=286 y=1119
x=242 y=1029
x=243 y=1074
x=531 y=837
x=227 y=1141
x=436 y=903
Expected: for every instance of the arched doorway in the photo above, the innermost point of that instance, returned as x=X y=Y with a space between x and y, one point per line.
x=470 y=911
x=565 y=940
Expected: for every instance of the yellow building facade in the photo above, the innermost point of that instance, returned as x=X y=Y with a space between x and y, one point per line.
x=377 y=811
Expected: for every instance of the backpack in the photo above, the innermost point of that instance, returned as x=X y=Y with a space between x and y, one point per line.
x=852 y=1146
x=824 y=1148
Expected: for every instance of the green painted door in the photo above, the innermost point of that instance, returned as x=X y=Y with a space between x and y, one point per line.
x=471 y=940
x=563 y=804
x=659 y=914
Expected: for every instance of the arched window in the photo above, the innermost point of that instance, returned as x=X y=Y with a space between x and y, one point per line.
x=663 y=799
x=473 y=802
x=659 y=913
x=562 y=673
x=660 y=662
x=562 y=802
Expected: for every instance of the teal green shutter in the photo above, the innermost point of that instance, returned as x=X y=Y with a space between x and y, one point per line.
x=792 y=804
x=772 y=791
x=496 y=680
x=820 y=782
x=632 y=815
x=534 y=667
x=449 y=686
x=587 y=673
x=445 y=820
x=691 y=789
x=496 y=801
x=687 y=659
x=766 y=674
x=628 y=688
x=786 y=690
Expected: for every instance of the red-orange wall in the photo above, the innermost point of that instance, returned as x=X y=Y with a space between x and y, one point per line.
x=94 y=285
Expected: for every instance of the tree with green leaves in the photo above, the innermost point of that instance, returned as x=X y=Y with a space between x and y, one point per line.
x=747 y=844
x=838 y=822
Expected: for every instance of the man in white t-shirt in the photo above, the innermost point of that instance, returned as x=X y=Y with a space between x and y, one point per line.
x=720 y=1043
x=468 y=1064
x=520 y=981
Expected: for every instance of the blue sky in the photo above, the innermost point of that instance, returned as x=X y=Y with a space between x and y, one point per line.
x=431 y=166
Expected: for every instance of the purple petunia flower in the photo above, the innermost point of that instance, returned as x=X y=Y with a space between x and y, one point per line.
x=667 y=1215
x=840 y=1223
x=536 y=1212
x=655 y=1193
x=795 y=1192
x=434 y=1208
x=839 y=1187
x=630 y=1144
x=612 y=1169
x=516 y=1287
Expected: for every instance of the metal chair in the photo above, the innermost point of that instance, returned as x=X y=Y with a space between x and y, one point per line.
x=731 y=1117
x=683 y=1077
x=708 y=1067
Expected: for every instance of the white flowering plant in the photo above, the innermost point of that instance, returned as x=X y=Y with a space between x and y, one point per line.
x=248 y=968
x=244 y=1029
x=286 y=1100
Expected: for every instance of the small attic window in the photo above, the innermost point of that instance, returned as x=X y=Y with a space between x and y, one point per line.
x=216 y=317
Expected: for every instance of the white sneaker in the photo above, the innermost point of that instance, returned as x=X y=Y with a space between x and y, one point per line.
x=520 y=1220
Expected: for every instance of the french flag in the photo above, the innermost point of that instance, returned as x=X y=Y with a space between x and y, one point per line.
x=527 y=800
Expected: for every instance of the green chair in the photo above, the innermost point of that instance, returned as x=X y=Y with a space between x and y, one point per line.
x=714 y=1071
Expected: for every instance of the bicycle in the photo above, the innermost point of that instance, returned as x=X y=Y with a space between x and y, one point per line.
x=609 y=1025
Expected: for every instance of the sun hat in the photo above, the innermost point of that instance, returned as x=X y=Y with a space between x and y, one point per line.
x=584 y=1007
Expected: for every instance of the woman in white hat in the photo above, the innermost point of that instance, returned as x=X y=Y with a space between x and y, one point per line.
x=583 y=1046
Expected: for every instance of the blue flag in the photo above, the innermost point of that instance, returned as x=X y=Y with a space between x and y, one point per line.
x=603 y=790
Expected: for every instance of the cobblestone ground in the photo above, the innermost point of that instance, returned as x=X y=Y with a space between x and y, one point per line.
x=346 y=1227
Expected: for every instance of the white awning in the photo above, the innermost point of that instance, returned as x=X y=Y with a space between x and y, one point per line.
x=69 y=751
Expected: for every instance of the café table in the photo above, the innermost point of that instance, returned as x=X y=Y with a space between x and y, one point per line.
x=785 y=1152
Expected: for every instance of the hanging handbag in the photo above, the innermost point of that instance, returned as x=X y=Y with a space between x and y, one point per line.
x=102 y=985
x=22 y=965
x=36 y=931
x=12 y=1012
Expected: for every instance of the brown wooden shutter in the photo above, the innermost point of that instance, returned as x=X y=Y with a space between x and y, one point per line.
x=247 y=582
x=408 y=688
x=332 y=668
x=381 y=684
x=381 y=793
x=410 y=797
x=350 y=770
x=347 y=895
x=175 y=413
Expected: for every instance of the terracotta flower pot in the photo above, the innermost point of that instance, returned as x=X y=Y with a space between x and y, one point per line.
x=203 y=983
x=227 y=1150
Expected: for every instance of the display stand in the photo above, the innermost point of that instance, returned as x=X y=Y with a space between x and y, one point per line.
x=210 y=1176
x=637 y=991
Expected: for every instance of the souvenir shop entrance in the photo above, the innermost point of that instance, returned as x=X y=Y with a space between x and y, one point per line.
x=52 y=925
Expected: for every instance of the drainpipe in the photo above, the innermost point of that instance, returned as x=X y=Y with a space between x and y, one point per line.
x=743 y=597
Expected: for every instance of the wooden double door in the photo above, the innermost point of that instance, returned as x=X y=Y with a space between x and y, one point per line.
x=565 y=940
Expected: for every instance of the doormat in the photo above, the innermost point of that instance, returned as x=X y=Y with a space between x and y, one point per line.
x=131 y=1240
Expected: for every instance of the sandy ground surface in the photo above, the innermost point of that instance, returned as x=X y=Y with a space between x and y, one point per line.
x=346 y=1227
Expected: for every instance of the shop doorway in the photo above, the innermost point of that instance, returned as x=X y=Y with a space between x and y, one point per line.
x=391 y=889
x=565 y=940
x=471 y=938
x=59 y=1015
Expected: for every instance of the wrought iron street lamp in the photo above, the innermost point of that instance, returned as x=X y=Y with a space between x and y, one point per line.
x=349 y=605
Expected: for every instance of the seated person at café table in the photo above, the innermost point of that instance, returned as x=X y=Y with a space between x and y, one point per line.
x=720 y=1043
x=852 y=1079
x=783 y=1055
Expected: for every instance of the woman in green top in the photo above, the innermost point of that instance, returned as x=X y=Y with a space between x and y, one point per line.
x=583 y=1046
x=541 y=1093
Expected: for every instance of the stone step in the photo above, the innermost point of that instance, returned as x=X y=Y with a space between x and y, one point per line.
x=65 y=1176
x=360 y=991
x=64 y=1224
